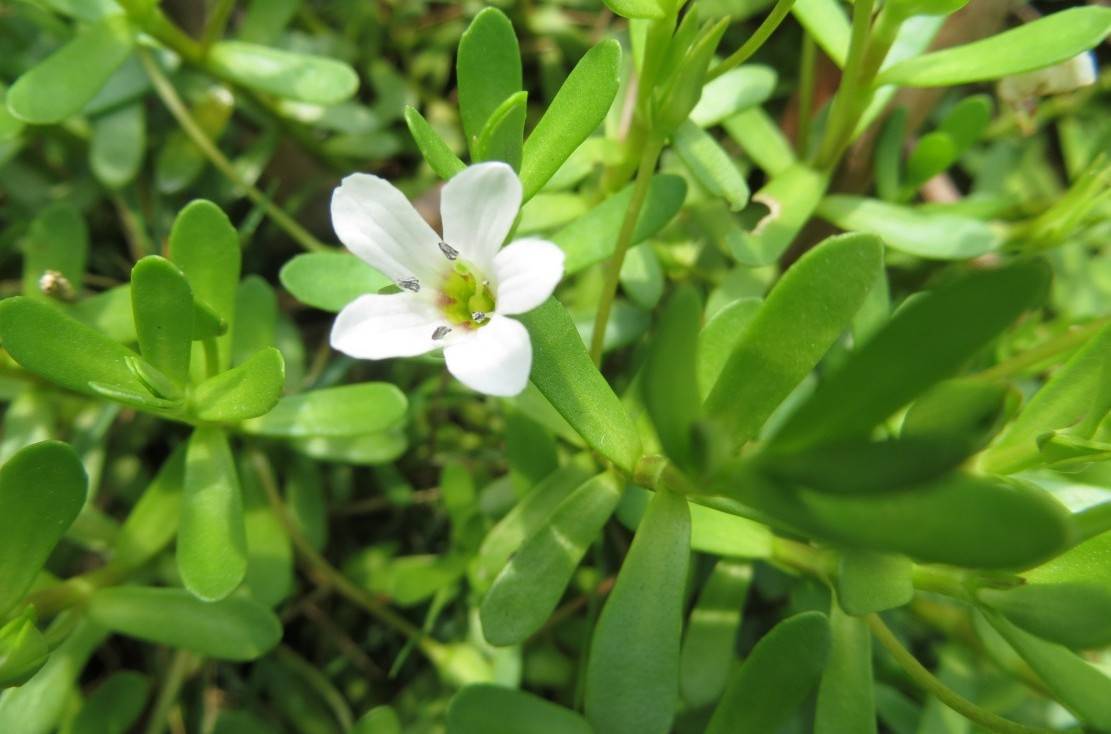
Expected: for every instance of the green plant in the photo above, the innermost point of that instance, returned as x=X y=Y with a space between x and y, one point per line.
x=786 y=358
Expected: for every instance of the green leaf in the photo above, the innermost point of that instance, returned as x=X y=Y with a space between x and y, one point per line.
x=716 y=532
x=775 y=678
x=491 y=709
x=710 y=165
x=1065 y=400
x=872 y=582
x=1066 y=600
x=970 y=410
x=1077 y=684
x=348 y=410
x=255 y=304
x=530 y=586
x=501 y=138
x=330 y=280
x=205 y=245
x=916 y=349
x=632 y=675
x=861 y=466
x=826 y=23
x=591 y=238
x=115 y=705
x=1035 y=45
x=846 y=697
x=963 y=520
x=252 y=389
x=45 y=341
x=887 y=161
x=162 y=303
x=57 y=244
x=719 y=337
x=153 y=521
x=530 y=450
x=37 y=706
x=650 y=9
x=684 y=80
x=761 y=139
x=379 y=720
x=61 y=85
x=933 y=153
x=805 y=313
x=269 y=549
x=733 y=92
x=436 y=152
x=935 y=235
x=668 y=379
x=710 y=641
x=23 y=649
x=118 y=144
x=790 y=197
x=967 y=121
x=642 y=277
x=577 y=109
x=564 y=373
x=366 y=450
x=488 y=70
x=211 y=540
x=305 y=78
x=236 y=628
x=522 y=522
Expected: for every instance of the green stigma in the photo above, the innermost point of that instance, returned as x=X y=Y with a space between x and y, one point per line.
x=465 y=296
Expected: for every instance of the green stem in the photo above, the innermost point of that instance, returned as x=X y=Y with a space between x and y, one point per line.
x=867 y=49
x=216 y=23
x=807 y=68
x=168 y=693
x=650 y=156
x=326 y=575
x=177 y=108
x=929 y=682
x=150 y=18
x=755 y=41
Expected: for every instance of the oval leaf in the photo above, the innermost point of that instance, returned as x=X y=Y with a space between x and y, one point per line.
x=305 y=78
x=231 y=629
x=632 y=676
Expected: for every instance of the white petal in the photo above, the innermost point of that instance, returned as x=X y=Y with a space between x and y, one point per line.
x=526 y=272
x=376 y=222
x=383 y=326
x=495 y=359
x=478 y=206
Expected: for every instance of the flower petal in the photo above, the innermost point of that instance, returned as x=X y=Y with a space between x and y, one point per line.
x=495 y=360
x=383 y=326
x=376 y=222
x=526 y=272
x=478 y=206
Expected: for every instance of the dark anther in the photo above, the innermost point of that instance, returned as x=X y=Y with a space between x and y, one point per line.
x=410 y=284
x=440 y=332
x=449 y=252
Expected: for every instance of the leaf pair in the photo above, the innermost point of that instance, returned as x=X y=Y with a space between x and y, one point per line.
x=492 y=105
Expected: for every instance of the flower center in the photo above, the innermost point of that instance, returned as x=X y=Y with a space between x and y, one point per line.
x=465 y=297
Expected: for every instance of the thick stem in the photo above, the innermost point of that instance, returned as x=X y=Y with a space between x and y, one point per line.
x=647 y=166
x=929 y=682
x=177 y=108
x=755 y=41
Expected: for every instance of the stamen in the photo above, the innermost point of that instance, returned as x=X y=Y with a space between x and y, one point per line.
x=449 y=252
x=478 y=317
x=440 y=332
x=409 y=284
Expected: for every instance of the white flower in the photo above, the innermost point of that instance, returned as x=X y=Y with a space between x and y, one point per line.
x=457 y=291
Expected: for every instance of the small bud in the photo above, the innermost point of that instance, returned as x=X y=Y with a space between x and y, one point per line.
x=56 y=285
